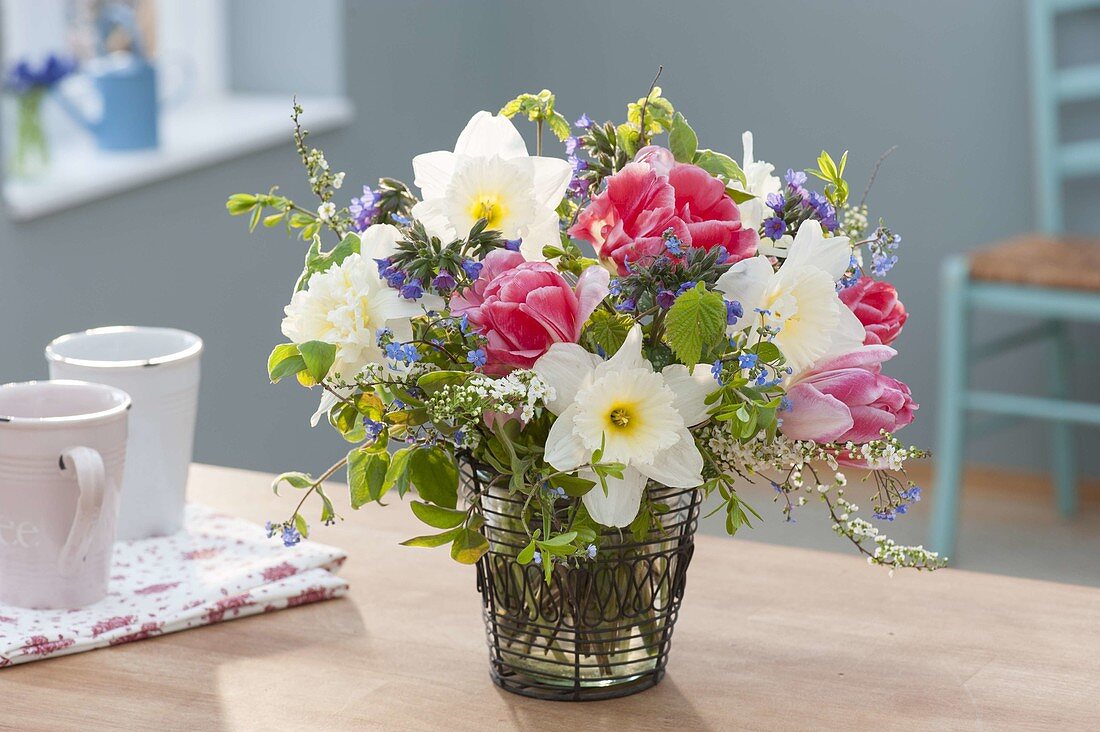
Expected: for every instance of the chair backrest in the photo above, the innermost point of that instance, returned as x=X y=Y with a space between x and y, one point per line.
x=1051 y=87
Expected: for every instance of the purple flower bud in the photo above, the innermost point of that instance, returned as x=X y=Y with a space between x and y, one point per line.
x=413 y=290
x=774 y=227
x=733 y=311
x=795 y=178
x=665 y=298
x=395 y=278
x=444 y=281
x=513 y=245
x=472 y=268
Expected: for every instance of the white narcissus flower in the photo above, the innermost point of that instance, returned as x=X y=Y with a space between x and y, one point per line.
x=490 y=175
x=800 y=299
x=639 y=416
x=348 y=303
x=759 y=182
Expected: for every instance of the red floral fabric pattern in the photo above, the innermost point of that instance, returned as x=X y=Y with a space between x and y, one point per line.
x=219 y=568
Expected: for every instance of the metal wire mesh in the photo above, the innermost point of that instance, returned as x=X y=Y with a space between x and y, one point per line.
x=601 y=628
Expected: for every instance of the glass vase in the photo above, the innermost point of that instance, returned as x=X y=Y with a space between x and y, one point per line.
x=602 y=627
x=30 y=153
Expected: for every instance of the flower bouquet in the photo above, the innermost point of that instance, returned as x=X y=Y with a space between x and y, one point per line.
x=564 y=417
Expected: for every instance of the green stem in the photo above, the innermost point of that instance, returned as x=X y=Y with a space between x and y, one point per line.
x=324 y=476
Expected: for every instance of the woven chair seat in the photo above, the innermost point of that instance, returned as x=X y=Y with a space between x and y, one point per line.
x=1071 y=263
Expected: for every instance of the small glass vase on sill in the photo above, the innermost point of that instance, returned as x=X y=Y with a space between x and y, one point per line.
x=29 y=86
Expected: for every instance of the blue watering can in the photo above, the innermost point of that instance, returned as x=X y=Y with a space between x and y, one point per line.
x=126 y=84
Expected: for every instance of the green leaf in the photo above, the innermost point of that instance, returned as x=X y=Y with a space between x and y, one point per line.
x=318 y=357
x=367 y=473
x=435 y=476
x=767 y=352
x=739 y=197
x=628 y=139
x=438 y=517
x=682 y=140
x=328 y=513
x=347 y=420
x=509 y=110
x=294 y=479
x=468 y=546
x=240 y=203
x=716 y=164
x=284 y=361
x=397 y=473
x=658 y=113
x=432 y=539
x=607 y=330
x=301 y=525
x=696 y=322
x=433 y=381
x=573 y=485
x=527 y=554
x=319 y=261
x=559 y=125
x=560 y=539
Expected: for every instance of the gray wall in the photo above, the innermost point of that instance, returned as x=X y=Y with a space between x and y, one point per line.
x=943 y=80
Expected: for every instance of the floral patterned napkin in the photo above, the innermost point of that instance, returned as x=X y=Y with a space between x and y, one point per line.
x=218 y=568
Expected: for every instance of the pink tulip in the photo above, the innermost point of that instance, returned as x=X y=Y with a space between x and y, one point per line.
x=522 y=308
x=711 y=216
x=653 y=194
x=660 y=159
x=876 y=305
x=847 y=398
x=626 y=221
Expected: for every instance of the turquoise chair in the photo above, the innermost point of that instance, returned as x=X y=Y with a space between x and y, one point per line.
x=1046 y=275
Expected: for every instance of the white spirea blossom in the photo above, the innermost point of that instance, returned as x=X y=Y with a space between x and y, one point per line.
x=521 y=391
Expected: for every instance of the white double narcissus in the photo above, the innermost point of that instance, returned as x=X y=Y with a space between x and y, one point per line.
x=347 y=304
x=800 y=299
x=490 y=175
x=640 y=417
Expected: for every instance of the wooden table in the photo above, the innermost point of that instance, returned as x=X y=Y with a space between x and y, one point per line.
x=769 y=638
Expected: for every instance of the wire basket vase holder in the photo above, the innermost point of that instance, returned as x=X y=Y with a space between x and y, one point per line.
x=602 y=627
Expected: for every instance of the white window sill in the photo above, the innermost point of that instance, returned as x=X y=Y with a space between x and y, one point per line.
x=192 y=137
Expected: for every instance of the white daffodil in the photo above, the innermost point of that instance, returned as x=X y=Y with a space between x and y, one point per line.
x=640 y=417
x=348 y=303
x=759 y=182
x=490 y=175
x=800 y=299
